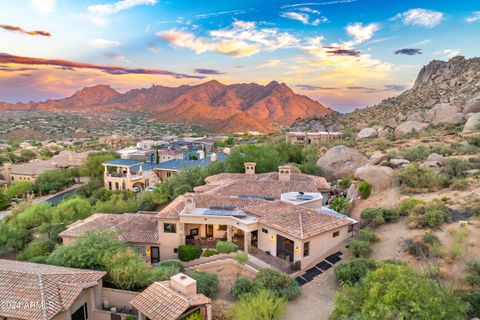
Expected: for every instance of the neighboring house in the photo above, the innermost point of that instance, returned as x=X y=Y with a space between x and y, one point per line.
x=123 y=174
x=307 y=138
x=30 y=291
x=31 y=170
x=174 y=299
x=277 y=217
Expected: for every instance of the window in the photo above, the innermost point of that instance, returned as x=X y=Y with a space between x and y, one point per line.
x=222 y=227
x=169 y=228
x=306 y=249
x=141 y=250
x=175 y=250
x=336 y=234
x=264 y=230
x=350 y=228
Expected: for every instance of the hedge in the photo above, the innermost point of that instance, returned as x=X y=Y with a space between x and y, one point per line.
x=226 y=247
x=188 y=252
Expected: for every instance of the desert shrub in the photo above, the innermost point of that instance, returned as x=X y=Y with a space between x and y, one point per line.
x=241 y=286
x=373 y=215
x=360 y=248
x=459 y=184
x=345 y=182
x=455 y=168
x=350 y=272
x=262 y=304
x=194 y=316
x=164 y=272
x=339 y=204
x=473 y=273
x=19 y=188
x=367 y=234
x=474 y=140
x=475 y=210
x=207 y=283
x=431 y=238
x=189 y=252
x=442 y=149
x=209 y=252
x=278 y=282
x=12 y=237
x=390 y=214
x=472 y=298
x=417 y=154
x=40 y=247
x=407 y=206
x=417 y=179
x=418 y=249
x=226 y=247
x=174 y=263
x=431 y=215
x=127 y=270
x=365 y=189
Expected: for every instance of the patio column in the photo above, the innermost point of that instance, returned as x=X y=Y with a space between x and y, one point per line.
x=182 y=233
x=209 y=312
x=246 y=241
x=229 y=233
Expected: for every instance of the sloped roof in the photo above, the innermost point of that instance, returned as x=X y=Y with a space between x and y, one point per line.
x=24 y=283
x=160 y=302
x=132 y=227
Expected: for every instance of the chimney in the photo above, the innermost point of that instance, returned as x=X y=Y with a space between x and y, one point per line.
x=184 y=285
x=213 y=157
x=284 y=173
x=189 y=201
x=7 y=169
x=249 y=167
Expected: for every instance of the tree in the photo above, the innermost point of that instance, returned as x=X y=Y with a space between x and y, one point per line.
x=27 y=155
x=360 y=248
x=12 y=237
x=241 y=257
x=19 y=188
x=207 y=283
x=339 y=204
x=52 y=181
x=352 y=271
x=395 y=291
x=33 y=215
x=261 y=305
x=119 y=203
x=278 y=282
x=71 y=210
x=92 y=167
x=4 y=200
x=40 y=247
x=127 y=270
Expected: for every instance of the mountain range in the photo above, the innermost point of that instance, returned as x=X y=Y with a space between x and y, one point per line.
x=220 y=107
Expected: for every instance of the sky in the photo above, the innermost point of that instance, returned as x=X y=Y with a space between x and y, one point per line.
x=342 y=53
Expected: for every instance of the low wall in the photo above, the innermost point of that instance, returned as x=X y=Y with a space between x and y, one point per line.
x=119 y=298
x=202 y=260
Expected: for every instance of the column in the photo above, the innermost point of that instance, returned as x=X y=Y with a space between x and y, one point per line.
x=246 y=241
x=229 y=233
x=182 y=233
x=209 y=312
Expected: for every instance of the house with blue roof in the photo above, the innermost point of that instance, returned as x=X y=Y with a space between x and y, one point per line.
x=133 y=175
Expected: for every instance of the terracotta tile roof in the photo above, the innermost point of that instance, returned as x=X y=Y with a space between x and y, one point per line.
x=132 y=227
x=22 y=283
x=160 y=302
x=297 y=221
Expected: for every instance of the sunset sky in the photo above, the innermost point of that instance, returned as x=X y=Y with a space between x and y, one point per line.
x=343 y=53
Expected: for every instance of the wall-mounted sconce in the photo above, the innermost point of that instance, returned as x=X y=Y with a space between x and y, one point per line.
x=272 y=238
x=297 y=249
x=147 y=253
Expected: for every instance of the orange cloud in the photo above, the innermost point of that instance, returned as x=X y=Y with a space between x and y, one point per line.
x=115 y=70
x=21 y=30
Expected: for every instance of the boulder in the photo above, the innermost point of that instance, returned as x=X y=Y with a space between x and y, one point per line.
x=385 y=132
x=414 y=116
x=379 y=177
x=352 y=192
x=378 y=157
x=472 y=172
x=472 y=106
x=399 y=163
x=435 y=157
x=446 y=114
x=367 y=133
x=340 y=162
x=409 y=127
x=472 y=124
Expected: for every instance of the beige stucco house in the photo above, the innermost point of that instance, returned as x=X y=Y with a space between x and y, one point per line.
x=304 y=139
x=277 y=217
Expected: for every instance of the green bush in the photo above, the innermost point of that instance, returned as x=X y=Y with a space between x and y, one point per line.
x=417 y=179
x=417 y=154
x=441 y=149
x=456 y=167
x=473 y=273
x=209 y=252
x=365 y=189
x=474 y=140
x=460 y=184
x=241 y=286
x=360 y=248
x=407 y=206
x=39 y=247
x=418 y=249
x=12 y=237
x=390 y=214
x=345 y=182
x=262 y=304
x=207 y=283
x=278 y=282
x=350 y=272
x=194 y=316
x=367 y=234
x=431 y=215
x=173 y=263
x=226 y=247
x=19 y=188
x=431 y=238
x=339 y=204
x=472 y=298
x=189 y=252
x=373 y=215
x=164 y=272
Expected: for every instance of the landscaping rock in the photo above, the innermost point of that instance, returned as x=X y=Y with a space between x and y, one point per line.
x=472 y=172
x=409 y=127
x=446 y=114
x=340 y=162
x=472 y=106
x=352 y=192
x=435 y=157
x=472 y=124
x=367 y=133
x=378 y=157
x=379 y=177
x=399 y=163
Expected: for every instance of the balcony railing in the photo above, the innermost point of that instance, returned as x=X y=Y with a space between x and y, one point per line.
x=275 y=262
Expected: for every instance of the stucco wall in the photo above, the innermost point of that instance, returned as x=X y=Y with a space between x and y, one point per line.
x=118 y=298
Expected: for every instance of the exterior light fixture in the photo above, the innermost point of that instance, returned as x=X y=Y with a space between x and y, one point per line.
x=147 y=253
x=272 y=238
x=297 y=249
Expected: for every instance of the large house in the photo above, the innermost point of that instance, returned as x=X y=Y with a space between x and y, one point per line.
x=30 y=291
x=277 y=217
x=127 y=174
x=304 y=139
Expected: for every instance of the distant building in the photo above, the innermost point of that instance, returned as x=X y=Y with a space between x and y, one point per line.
x=307 y=138
x=125 y=174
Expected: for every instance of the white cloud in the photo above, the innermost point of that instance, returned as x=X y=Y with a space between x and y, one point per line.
x=221 y=13
x=97 y=13
x=474 y=17
x=241 y=38
x=361 y=33
x=103 y=43
x=303 y=17
x=44 y=6
x=420 y=17
x=269 y=63
x=326 y=3
x=450 y=53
